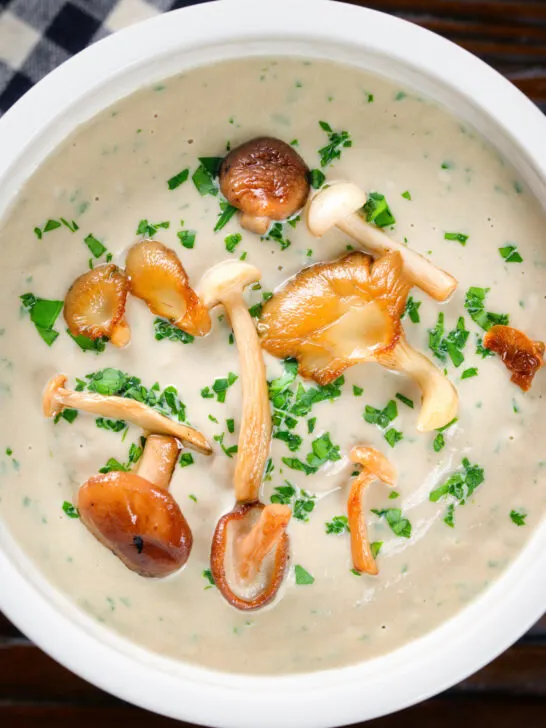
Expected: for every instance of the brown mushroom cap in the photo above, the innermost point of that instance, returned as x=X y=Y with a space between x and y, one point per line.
x=258 y=591
x=522 y=356
x=266 y=179
x=158 y=277
x=95 y=305
x=142 y=524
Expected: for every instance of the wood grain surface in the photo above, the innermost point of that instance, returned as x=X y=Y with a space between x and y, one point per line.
x=508 y=693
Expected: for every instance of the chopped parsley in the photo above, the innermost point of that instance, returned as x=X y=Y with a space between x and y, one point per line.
x=165 y=330
x=230 y=424
x=405 y=400
x=276 y=233
x=113 y=465
x=67 y=414
x=412 y=310
x=518 y=517
x=452 y=344
x=114 y=382
x=439 y=441
x=460 y=486
x=226 y=213
x=232 y=241
x=337 y=141
x=393 y=436
x=316 y=178
x=381 y=418
x=510 y=254
x=148 y=229
x=219 y=388
x=357 y=391
x=311 y=423
x=394 y=494
x=52 y=224
x=186 y=459
x=43 y=314
x=378 y=211
x=398 y=523
x=292 y=441
x=301 y=501
x=187 y=238
x=338 y=524
x=475 y=305
x=303 y=577
x=207 y=574
x=112 y=425
x=449 y=518
x=458 y=237
x=469 y=373
x=406 y=195
x=322 y=451
x=178 y=179
x=87 y=344
x=205 y=175
x=70 y=510
x=481 y=350
x=376 y=548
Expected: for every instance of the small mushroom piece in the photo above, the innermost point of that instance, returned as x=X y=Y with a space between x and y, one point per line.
x=250 y=552
x=522 y=356
x=333 y=315
x=375 y=466
x=338 y=205
x=266 y=179
x=158 y=277
x=57 y=397
x=135 y=516
x=224 y=284
x=95 y=305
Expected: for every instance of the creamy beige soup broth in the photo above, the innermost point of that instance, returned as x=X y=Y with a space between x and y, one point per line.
x=438 y=176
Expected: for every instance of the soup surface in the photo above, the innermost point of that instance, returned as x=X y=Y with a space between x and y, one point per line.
x=438 y=178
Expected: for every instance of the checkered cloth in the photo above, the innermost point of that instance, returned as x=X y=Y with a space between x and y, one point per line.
x=38 y=35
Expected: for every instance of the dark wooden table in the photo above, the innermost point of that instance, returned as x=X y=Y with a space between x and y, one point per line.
x=511 y=691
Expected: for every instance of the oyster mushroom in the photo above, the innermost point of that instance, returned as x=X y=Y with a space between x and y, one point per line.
x=57 y=397
x=336 y=314
x=375 y=466
x=158 y=277
x=522 y=356
x=249 y=552
x=135 y=516
x=266 y=179
x=95 y=305
x=337 y=205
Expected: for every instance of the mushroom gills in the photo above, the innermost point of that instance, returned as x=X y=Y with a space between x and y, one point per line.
x=139 y=522
x=263 y=561
x=95 y=305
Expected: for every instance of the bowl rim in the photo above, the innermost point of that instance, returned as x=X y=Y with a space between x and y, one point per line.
x=334 y=697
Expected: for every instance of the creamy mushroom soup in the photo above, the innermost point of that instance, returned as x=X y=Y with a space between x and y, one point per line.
x=465 y=500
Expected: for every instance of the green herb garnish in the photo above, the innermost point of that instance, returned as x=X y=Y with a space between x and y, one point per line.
x=186 y=459
x=338 y=524
x=316 y=178
x=165 y=330
x=412 y=310
x=518 y=517
x=70 y=510
x=303 y=577
x=475 y=305
x=187 y=238
x=337 y=141
x=232 y=241
x=510 y=254
x=43 y=314
x=148 y=229
x=378 y=211
x=405 y=400
x=459 y=237
x=178 y=179
x=226 y=213
x=399 y=525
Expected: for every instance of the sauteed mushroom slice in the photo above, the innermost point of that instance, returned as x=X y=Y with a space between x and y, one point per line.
x=338 y=205
x=250 y=553
x=158 y=277
x=135 y=516
x=333 y=315
x=223 y=284
x=375 y=466
x=266 y=179
x=95 y=305
x=57 y=397
x=522 y=356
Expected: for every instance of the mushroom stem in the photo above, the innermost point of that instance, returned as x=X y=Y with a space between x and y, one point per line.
x=224 y=284
x=158 y=460
x=255 y=430
x=338 y=204
x=56 y=398
x=263 y=537
x=375 y=466
x=440 y=401
x=361 y=552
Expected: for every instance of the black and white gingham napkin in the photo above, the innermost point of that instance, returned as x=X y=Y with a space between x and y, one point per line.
x=38 y=35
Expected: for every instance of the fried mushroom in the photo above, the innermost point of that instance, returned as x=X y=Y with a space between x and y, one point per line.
x=522 y=356
x=266 y=179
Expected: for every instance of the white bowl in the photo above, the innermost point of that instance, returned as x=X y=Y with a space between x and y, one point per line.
x=149 y=52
